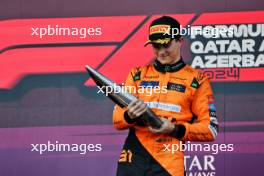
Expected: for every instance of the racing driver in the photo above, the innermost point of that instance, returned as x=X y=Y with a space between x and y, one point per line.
x=186 y=108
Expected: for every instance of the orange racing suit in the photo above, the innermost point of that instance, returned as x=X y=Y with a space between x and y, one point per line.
x=187 y=101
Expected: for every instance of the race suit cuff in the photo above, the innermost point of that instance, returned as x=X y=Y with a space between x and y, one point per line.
x=187 y=129
x=178 y=131
x=128 y=119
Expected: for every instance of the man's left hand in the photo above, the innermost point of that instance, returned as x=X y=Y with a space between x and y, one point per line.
x=166 y=127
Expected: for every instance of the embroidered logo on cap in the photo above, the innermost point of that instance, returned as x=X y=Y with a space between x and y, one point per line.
x=158 y=29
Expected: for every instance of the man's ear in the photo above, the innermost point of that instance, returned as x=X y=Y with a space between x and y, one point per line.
x=181 y=40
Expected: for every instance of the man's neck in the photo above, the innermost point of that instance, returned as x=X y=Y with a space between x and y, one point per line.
x=169 y=67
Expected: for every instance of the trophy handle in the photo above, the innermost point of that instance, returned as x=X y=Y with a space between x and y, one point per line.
x=151 y=119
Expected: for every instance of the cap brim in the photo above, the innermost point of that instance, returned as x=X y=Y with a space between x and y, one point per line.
x=159 y=41
x=148 y=42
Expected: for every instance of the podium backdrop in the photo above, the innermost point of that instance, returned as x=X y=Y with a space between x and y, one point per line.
x=46 y=96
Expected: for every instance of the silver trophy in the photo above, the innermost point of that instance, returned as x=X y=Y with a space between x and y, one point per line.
x=121 y=98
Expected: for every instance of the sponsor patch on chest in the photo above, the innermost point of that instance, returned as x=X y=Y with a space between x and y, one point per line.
x=176 y=87
x=149 y=84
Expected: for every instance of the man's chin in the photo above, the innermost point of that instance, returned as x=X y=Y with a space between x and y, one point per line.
x=164 y=60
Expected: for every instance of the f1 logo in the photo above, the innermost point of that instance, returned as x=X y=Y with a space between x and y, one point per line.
x=120 y=44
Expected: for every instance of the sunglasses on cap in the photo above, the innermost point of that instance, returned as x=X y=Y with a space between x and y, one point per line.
x=159 y=46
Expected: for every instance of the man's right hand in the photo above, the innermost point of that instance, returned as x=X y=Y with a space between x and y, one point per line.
x=136 y=108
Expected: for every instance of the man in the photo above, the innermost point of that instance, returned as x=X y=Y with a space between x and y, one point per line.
x=186 y=108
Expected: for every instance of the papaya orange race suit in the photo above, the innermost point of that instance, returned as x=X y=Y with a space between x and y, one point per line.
x=187 y=102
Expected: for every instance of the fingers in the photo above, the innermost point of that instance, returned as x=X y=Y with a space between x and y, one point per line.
x=142 y=108
x=166 y=127
x=136 y=108
x=153 y=130
x=159 y=130
x=131 y=104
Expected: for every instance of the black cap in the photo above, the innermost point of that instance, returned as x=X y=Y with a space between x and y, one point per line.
x=162 y=30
